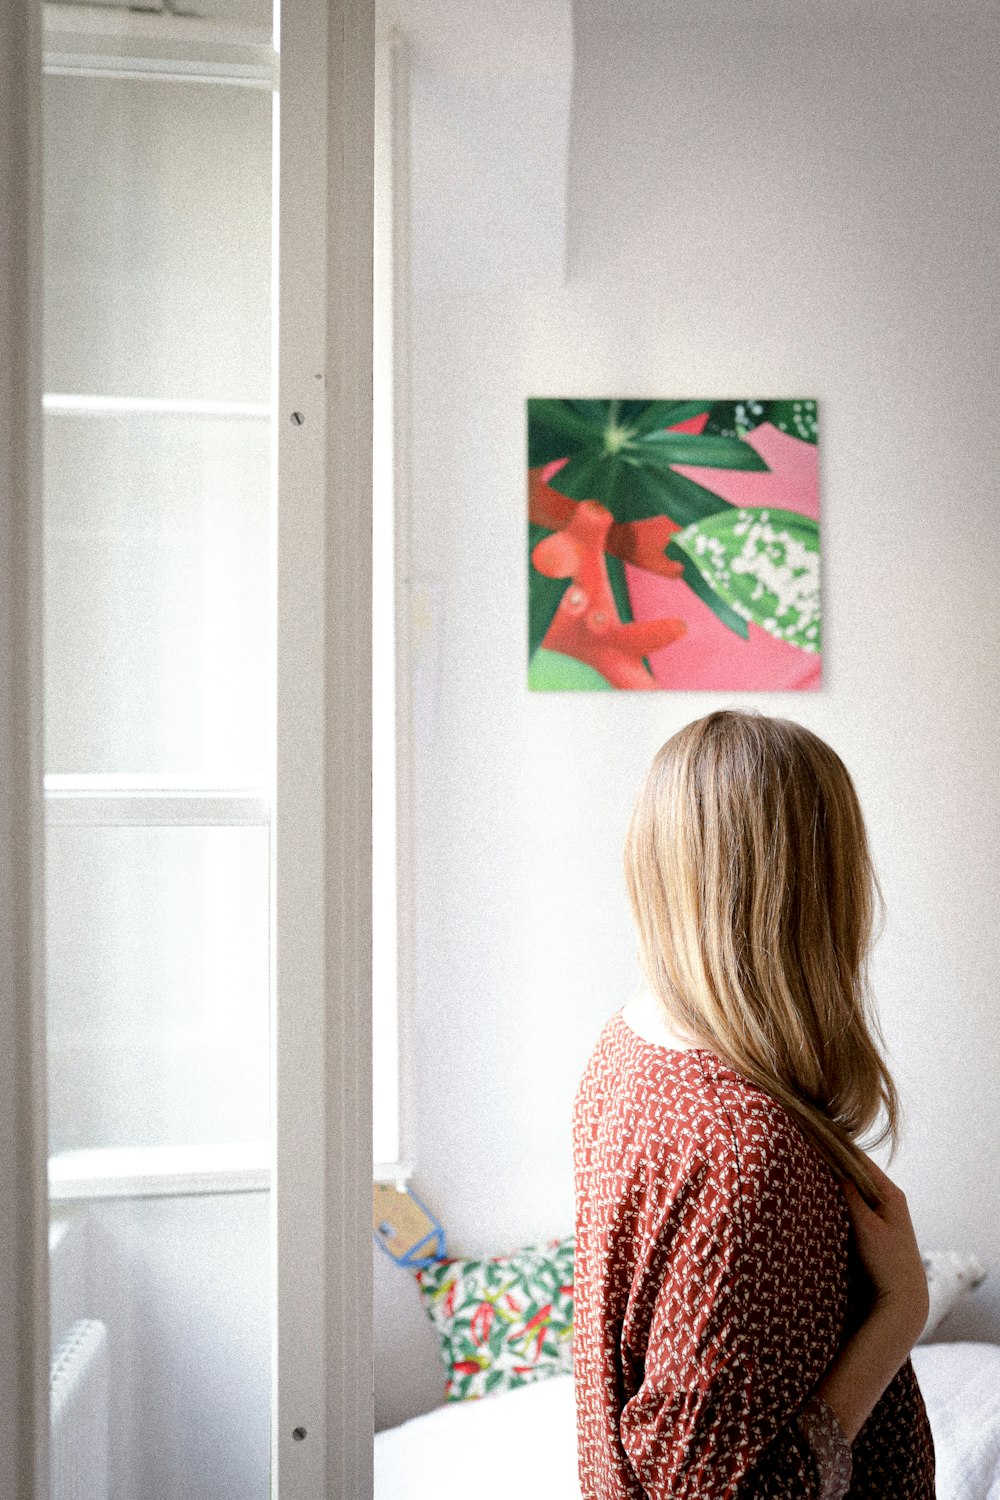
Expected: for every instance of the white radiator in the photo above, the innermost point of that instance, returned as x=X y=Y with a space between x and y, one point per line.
x=78 y=1386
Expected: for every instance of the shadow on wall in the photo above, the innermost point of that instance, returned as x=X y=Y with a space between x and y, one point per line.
x=409 y=1372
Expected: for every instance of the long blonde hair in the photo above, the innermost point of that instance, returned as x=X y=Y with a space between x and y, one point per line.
x=754 y=896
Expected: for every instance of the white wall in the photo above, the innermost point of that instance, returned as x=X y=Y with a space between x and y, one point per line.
x=758 y=203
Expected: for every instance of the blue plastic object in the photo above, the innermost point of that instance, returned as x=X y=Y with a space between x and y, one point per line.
x=412 y=1259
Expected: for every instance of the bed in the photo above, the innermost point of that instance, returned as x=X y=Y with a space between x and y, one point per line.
x=523 y=1441
x=497 y=1435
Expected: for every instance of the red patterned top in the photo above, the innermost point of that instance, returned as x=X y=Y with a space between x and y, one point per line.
x=711 y=1292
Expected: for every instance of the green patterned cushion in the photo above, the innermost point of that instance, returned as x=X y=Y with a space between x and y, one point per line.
x=504 y=1321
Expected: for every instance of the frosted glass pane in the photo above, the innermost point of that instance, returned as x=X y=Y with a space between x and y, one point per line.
x=157 y=953
x=157 y=595
x=157 y=239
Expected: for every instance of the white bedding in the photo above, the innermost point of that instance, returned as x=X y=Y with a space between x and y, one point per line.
x=960 y=1384
x=519 y=1443
x=523 y=1442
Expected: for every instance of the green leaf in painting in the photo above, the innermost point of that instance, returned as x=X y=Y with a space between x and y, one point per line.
x=697 y=584
x=544 y=593
x=709 y=451
x=685 y=501
x=554 y=672
x=557 y=430
x=722 y=419
x=636 y=493
x=797 y=418
x=750 y=414
x=616 y=577
x=589 y=475
x=765 y=564
x=619 y=587
x=656 y=414
x=597 y=413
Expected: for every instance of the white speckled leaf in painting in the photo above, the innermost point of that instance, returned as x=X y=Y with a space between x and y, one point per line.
x=765 y=564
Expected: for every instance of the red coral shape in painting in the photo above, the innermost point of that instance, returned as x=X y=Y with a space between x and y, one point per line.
x=644 y=543
x=586 y=624
x=640 y=542
x=546 y=506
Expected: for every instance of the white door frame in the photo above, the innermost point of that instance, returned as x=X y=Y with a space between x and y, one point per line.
x=322 y=853
x=322 y=1203
x=24 y=1296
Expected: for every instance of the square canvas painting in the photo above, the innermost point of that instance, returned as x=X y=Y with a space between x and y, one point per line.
x=673 y=544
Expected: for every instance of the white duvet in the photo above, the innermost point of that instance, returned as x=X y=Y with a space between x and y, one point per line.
x=523 y=1442
x=960 y=1384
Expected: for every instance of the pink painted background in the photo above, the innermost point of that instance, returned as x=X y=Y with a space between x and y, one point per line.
x=711 y=656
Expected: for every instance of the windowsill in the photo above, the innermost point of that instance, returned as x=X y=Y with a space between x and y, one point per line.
x=398 y=1172
x=175 y=1171
x=122 y=33
x=160 y=1171
x=150 y=801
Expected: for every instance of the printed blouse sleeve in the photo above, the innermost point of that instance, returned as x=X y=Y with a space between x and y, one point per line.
x=728 y=1332
x=831 y=1452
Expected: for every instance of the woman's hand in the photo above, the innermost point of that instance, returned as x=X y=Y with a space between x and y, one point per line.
x=888 y=1251
x=871 y=1356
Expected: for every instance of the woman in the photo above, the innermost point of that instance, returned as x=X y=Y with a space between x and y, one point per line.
x=733 y=1337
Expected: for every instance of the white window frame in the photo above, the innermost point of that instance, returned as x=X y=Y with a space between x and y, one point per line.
x=83 y=42
x=105 y=43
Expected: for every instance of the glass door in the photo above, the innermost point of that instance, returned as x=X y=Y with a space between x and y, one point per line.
x=159 y=649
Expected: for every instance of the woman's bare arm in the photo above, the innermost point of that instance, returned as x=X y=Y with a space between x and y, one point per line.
x=863 y=1369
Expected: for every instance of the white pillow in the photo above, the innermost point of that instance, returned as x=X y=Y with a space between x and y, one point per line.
x=950 y=1276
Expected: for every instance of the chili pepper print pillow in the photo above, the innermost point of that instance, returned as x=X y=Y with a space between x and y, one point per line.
x=504 y=1321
